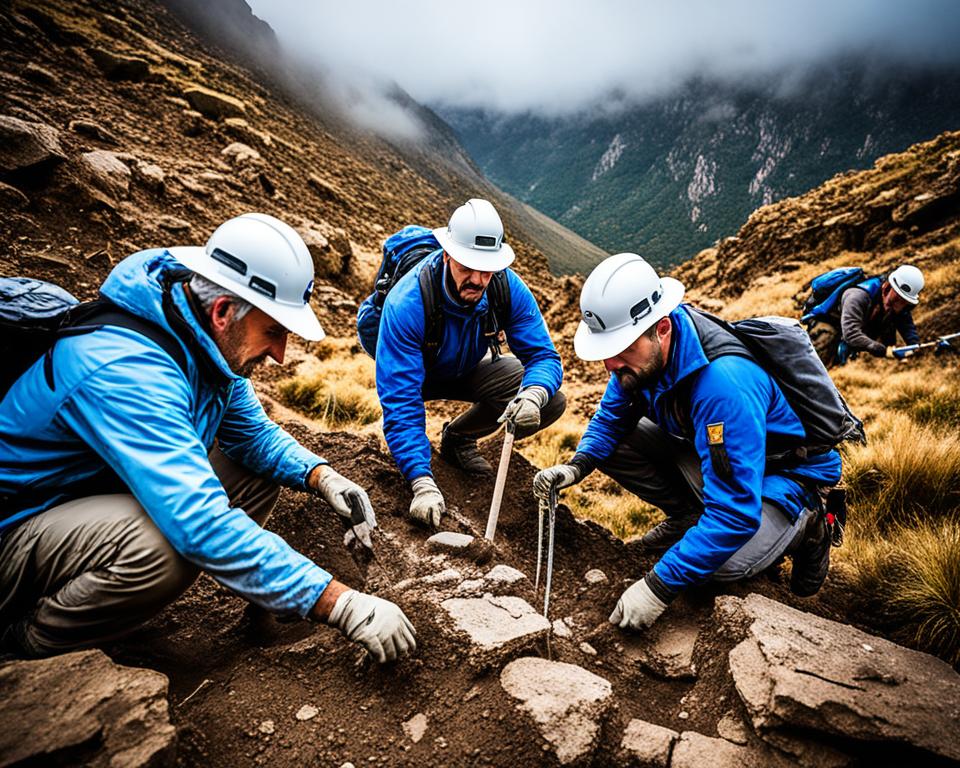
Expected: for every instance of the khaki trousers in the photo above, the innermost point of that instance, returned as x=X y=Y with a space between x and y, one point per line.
x=95 y=568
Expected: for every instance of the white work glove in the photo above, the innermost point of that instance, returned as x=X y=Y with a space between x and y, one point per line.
x=559 y=476
x=427 y=505
x=637 y=607
x=347 y=498
x=523 y=412
x=376 y=624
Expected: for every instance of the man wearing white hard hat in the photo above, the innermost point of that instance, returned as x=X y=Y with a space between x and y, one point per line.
x=454 y=354
x=136 y=454
x=690 y=433
x=873 y=312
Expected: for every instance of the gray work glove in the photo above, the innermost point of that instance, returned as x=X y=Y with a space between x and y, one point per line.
x=523 y=412
x=348 y=499
x=376 y=624
x=427 y=506
x=637 y=607
x=559 y=476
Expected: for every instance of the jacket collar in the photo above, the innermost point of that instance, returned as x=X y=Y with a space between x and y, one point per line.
x=686 y=355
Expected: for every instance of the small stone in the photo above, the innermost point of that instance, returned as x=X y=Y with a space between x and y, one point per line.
x=504 y=574
x=240 y=153
x=470 y=586
x=24 y=144
x=415 y=727
x=307 y=712
x=37 y=74
x=683 y=715
x=12 y=197
x=267 y=727
x=595 y=576
x=648 y=744
x=347 y=765
x=150 y=175
x=106 y=172
x=173 y=224
x=447 y=576
x=496 y=627
x=94 y=131
x=588 y=649
x=116 y=66
x=214 y=104
x=732 y=728
x=449 y=541
x=560 y=629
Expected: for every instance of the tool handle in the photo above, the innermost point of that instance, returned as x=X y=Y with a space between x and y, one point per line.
x=499 y=484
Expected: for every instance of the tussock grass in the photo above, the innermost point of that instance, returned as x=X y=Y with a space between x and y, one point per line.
x=906 y=473
x=339 y=390
x=912 y=578
x=930 y=402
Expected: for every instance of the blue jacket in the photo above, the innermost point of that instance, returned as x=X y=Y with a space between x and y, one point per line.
x=737 y=392
x=121 y=403
x=400 y=366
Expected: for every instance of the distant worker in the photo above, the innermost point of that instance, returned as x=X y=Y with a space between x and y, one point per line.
x=863 y=314
x=707 y=437
x=142 y=455
x=435 y=335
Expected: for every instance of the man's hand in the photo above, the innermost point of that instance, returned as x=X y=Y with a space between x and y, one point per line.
x=637 y=607
x=427 y=506
x=900 y=353
x=524 y=411
x=347 y=498
x=559 y=476
x=376 y=624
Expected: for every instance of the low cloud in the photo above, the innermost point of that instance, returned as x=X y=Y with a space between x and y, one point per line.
x=561 y=56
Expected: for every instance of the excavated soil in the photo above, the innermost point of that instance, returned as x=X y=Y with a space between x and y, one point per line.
x=231 y=669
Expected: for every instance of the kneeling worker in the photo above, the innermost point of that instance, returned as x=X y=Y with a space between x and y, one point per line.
x=691 y=435
x=465 y=364
x=148 y=457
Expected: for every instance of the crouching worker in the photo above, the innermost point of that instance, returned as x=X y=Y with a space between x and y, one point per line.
x=434 y=333
x=138 y=454
x=687 y=423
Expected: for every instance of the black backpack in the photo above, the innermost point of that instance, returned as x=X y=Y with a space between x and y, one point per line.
x=402 y=251
x=783 y=349
x=34 y=314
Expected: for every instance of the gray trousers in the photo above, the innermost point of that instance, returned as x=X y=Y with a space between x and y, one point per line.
x=93 y=569
x=664 y=470
x=490 y=387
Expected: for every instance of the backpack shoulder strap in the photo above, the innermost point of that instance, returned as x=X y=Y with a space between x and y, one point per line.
x=717 y=337
x=431 y=284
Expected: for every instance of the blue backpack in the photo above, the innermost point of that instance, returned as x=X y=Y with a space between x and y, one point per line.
x=826 y=289
x=402 y=251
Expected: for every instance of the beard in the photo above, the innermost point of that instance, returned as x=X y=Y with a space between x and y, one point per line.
x=633 y=382
x=233 y=350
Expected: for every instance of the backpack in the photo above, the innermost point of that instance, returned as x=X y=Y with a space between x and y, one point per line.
x=826 y=289
x=402 y=251
x=783 y=349
x=34 y=314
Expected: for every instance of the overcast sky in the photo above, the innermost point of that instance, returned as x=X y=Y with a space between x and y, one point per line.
x=557 y=56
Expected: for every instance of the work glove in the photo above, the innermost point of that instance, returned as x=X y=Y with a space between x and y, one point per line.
x=524 y=411
x=637 y=607
x=901 y=353
x=427 y=506
x=349 y=501
x=376 y=624
x=559 y=476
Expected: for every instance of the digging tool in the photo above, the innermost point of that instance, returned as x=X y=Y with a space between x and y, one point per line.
x=501 y=481
x=549 y=507
x=941 y=344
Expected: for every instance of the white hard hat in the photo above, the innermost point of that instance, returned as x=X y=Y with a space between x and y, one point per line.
x=907 y=281
x=623 y=297
x=263 y=261
x=474 y=237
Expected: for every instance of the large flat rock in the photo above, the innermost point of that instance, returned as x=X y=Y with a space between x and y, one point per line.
x=666 y=649
x=796 y=671
x=694 y=750
x=496 y=627
x=566 y=702
x=82 y=709
x=647 y=745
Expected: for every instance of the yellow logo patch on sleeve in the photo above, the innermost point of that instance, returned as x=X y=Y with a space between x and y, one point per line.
x=715 y=433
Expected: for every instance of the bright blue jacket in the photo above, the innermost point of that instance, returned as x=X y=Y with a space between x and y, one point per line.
x=737 y=392
x=400 y=365
x=121 y=402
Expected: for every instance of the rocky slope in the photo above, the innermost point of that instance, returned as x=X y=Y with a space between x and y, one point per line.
x=670 y=177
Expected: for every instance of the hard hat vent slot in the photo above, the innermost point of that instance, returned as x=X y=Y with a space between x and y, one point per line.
x=229 y=260
x=485 y=241
x=263 y=286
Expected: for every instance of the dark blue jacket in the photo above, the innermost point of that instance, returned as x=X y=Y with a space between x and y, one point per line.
x=400 y=365
x=737 y=392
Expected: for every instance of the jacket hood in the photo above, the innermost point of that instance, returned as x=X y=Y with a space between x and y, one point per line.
x=136 y=285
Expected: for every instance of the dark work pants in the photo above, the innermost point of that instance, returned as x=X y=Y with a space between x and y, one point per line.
x=490 y=387
x=664 y=470
x=93 y=569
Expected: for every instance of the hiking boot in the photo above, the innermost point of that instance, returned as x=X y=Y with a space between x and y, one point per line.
x=811 y=558
x=669 y=532
x=461 y=451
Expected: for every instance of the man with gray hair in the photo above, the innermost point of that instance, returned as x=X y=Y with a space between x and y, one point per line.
x=142 y=455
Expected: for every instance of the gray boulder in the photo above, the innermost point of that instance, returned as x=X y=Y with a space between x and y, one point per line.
x=82 y=709
x=25 y=144
x=798 y=672
x=106 y=173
